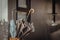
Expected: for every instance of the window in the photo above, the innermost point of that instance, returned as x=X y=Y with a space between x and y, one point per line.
x=23 y=7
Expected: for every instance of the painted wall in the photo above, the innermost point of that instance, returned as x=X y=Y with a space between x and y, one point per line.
x=4 y=9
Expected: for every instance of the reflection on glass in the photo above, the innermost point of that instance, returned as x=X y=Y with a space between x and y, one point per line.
x=22 y=3
x=58 y=18
x=50 y=20
x=22 y=15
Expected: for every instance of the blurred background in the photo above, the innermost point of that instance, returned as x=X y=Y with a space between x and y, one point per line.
x=42 y=18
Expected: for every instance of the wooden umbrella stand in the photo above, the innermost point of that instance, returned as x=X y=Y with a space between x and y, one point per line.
x=14 y=39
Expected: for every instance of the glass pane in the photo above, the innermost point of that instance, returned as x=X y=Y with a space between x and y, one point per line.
x=49 y=19
x=22 y=3
x=22 y=15
x=57 y=12
x=58 y=18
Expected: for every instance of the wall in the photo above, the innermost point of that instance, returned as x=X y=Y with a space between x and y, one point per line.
x=4 y=9
x=0 y=9
x=58 y=12
x=11 y=6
